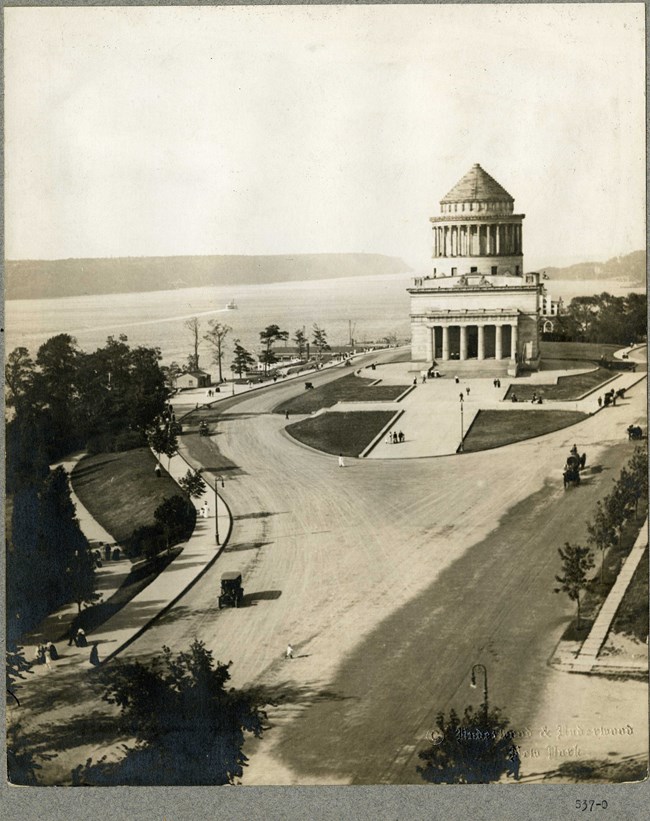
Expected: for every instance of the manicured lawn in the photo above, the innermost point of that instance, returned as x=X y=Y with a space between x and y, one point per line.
x=346 y=433
x=591 y=351
x=121 y=490
x=493 y=428
x=349 y=388
x=568 y=387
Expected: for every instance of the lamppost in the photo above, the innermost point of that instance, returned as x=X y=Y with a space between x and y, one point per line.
x=462 y=429
x=217 y=479
x=485 y=686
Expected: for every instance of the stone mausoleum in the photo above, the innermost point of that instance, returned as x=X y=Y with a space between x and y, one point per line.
x=478 y=304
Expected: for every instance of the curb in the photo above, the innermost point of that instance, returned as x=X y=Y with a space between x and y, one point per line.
x=381 y=433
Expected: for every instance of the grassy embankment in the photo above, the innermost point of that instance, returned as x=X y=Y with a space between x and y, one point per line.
x=121 y=491
x=349 y=388
x=495 y=428
x=567 y=388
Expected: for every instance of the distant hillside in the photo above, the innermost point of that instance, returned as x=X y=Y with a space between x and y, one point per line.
x=39 y=279
x=631 y=267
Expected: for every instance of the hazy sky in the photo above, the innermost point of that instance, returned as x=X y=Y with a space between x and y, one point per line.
x=269 y=130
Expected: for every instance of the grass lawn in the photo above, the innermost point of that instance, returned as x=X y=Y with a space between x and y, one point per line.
x=568 y=387
x=346 y=433
x=493 y=428
x=121 y=490
x=349 y=388
x=591 y=351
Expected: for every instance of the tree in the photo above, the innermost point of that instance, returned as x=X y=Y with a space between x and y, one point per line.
x=301 y=342
x=177 y=518
x=638 y=468
x=242 y=360
x=81 y=579
x=470 y=750
x=194 y=327
x=188 y=725
x=163 y=440
x=171 y=373
x=215 y=337
x=193 y=484
x=19 y=375
x=576 y=562
x=268 y=337
x=319 y=338
x=601 y=534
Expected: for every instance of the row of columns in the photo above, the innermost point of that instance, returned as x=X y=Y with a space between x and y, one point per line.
x=498 y=341
x=477 y=239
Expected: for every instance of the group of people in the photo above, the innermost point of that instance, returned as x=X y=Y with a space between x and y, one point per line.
x=45 y=653
x=395 y=438
x=213 y=391
x=610 y=397
x=496 y=383
x=536 y=399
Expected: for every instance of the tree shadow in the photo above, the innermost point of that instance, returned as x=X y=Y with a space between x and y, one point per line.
x=261 y=515
x=238 y=548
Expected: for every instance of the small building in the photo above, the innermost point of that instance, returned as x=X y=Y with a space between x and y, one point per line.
x=193 y=379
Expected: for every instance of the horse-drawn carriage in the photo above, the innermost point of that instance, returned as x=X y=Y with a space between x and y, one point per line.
x=574 y=464
x=204 y=430
x=634 y=432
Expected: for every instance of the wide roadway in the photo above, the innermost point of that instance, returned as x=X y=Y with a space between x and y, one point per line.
x=390 y=579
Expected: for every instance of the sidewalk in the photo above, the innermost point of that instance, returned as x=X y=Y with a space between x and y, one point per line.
x=587 y=660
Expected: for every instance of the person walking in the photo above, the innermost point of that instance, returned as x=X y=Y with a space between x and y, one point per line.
x=341 y=462
x=400 y=436
x=289 y=652
x=461 y=395
x=457 y=380
x=467 y=390
x=389 y=439
x=94 y=656
x=600 y=401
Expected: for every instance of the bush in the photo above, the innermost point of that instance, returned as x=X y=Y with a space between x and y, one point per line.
x=176 y=517
x=145 y=541
x=128 y=440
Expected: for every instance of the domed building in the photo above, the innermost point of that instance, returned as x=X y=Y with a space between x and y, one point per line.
x=477 y=304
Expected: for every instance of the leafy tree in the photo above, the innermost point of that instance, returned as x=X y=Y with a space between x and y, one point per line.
x=301 y=342
x=193 y=484
x=19 y=376
x=576 y=562
x=171 y=373
x=268 y=337
x=81 y=579
x=194 y=327
x=163 y=440
x=177 y=517
x=189 y=726
x=319 y=338
x=601 y=534
x=16 y=666
x=242 y=360
x=215 y=338
x=474 y=749
x=638 y=468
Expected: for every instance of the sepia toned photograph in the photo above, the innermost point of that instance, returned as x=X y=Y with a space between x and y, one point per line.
x=326 y=397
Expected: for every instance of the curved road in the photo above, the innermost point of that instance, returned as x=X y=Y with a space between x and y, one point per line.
x=390 y=579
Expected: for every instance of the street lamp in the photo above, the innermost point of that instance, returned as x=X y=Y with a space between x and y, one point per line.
x=485 y=686
x=462 y=428
x=217 y=479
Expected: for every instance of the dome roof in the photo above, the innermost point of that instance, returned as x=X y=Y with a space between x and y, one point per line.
x=477 y=186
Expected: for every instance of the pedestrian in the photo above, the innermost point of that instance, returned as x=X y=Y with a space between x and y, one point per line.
x=400 y=436
x=205 y=510
x=289 y=652
x=395 y=438
x=45 y=657
x=286 y=414
x=389 y=439
x=52 y=651
x=613 y=399
x=467 y=389
x=424 y=379
x=462 y=396
x=600 y=401
x=72 y=636
x=157 y=471
x=94 y=656
x=457 y=380
x=80 y=639
x=415 y=381
x=39 y=656
x=498 y=383
x=341 y=462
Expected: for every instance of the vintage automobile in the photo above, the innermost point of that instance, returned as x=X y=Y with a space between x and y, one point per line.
x=232 y=592
x=204 y=430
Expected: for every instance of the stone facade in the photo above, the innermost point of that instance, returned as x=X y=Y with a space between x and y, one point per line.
x=478 y=303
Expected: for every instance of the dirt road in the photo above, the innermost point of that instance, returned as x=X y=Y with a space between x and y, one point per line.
x=390 y=579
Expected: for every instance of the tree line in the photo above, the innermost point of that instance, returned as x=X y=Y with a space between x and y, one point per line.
x=604 y=529
x=602 y=318
x=242 y=359
x=63 y=400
